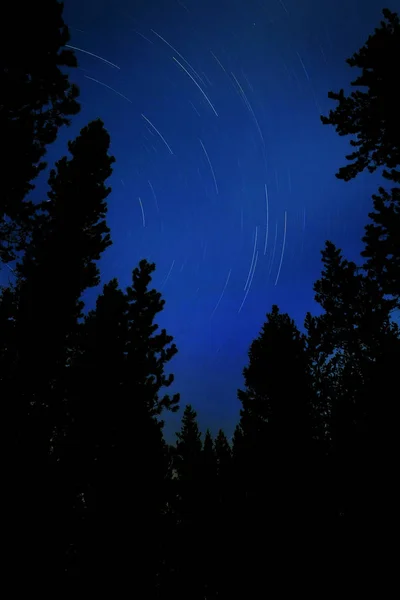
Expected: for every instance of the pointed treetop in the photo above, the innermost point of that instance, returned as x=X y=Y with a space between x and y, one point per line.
x=371 y=114
x=223 y=452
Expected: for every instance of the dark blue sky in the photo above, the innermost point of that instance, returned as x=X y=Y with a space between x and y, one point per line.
x=210 y=104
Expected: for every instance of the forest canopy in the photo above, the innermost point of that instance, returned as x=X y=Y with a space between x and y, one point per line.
x=95 y=494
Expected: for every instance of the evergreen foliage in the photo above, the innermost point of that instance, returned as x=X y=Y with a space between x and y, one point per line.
x=37 y=99
x=94 y=493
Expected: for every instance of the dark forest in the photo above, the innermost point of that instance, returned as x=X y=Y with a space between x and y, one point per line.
x=303 y=497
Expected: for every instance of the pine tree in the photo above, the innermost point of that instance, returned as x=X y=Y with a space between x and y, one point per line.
x=223 y=454
x=239 y=468
x=275 y=440
x=207 y=517
x=355 y=340
x=188 y=447
x=209 y=458
x=382 y=244
x=147 y=353
x=37 y=99
x=226 y=515
x=95 y=374
x=372 y=115
x=69 y=235
x=191 y=577
x=276 y=406
x=373 y=118
x=208 y=477
x=115 y=440
x=358 y=347
x=237 y=443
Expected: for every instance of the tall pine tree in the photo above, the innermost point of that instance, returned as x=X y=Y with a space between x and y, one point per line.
x=273 y=447
x=191 y=577
x=372 y=117
x=277 y=400
x=70 y=233
x=114 y=448
x=358 y=348
x=37 y=99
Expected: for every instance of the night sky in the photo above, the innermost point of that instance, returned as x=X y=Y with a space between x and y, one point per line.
x=224 y=174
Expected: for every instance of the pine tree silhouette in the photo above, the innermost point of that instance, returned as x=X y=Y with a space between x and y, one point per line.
x=224 y=468
x=355 y=339
x=274 y=418
x=358 y=346
x=382 y=242
x=190 y=576
x=148 y=353
x=94 y=491
x=372 y=118
x=188 y=447
x=276 y=441
x=122 y=476
x=209 y=471
x=54 y=272
x=37 y=99
x=68 y=237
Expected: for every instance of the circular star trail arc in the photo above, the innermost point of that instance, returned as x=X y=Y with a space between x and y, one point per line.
x=228 y=175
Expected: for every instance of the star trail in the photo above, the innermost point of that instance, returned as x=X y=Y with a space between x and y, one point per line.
x=224 y=174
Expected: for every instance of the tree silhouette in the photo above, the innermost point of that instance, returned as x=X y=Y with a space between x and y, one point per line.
x=94 y=491
x=223 y=454
x=275 y=441
x=114 y=448
x=224 y=471
x=188 y=446
x=382 y=242
x=209 y=461
x=354 y=342
x=190 y=470
x=372 y=116
x=358 y=347
x=147 y=353
x=271 y=410
x=54 y=272
x=68 y=237
x=207 y=516
x=225 y=517
x=95 y=374
x=37 y=99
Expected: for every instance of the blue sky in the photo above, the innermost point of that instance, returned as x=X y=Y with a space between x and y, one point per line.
x=213 y=110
